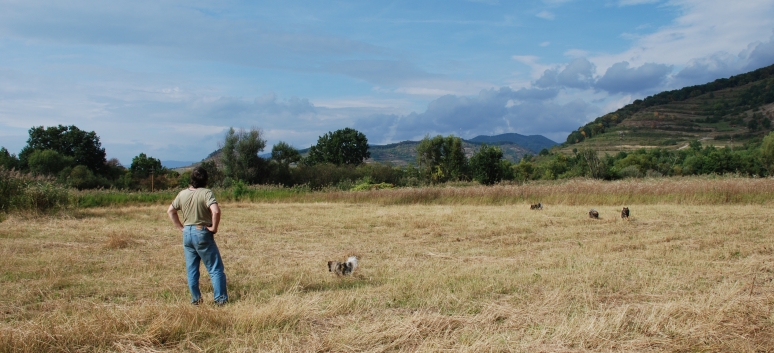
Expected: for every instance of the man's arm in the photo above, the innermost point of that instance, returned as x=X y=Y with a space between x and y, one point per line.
x=215 y=209
x=172 y=212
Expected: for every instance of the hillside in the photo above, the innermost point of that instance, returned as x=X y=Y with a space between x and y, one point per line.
x=728 y=111
x=403 y=153
x=534 y=143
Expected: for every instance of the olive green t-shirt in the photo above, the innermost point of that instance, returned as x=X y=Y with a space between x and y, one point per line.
x=195 y=205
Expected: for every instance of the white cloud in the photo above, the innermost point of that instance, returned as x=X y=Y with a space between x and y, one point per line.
x=536 y=68
x=545 y=44
x=576 y=53
x=620 y=78
x=422 y=91
x=704 y=28
x=546 y=15
x=637 y=2
x=493 y=111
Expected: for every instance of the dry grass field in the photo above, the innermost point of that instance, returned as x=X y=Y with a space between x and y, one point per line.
x=467 y=278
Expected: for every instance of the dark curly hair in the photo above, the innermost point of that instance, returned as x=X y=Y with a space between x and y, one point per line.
x=199 y=177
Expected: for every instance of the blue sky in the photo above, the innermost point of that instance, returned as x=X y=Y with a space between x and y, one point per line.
x=168 y=78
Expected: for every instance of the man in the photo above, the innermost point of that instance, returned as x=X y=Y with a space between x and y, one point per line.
x=201 y=216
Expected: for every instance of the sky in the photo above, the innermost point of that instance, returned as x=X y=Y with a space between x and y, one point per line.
x=168 y=78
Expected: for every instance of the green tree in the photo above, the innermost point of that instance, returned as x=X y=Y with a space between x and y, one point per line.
x=695 y=145
x=8 y=160
x=142 y=166
x=285 y=154
x=486 y=166
x=82 y=178
x=345 y=146
x=766 y=123
x=48 y=162
x=524 y=170
x=114 y=169
x=282 y=156
x=214 y=174
x=597 y=168
x=239 y=155
x=441 y=158
x=767 y=153
x=83 y=147
x=753 y=125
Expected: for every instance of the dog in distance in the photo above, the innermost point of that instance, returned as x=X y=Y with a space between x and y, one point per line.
x=536 y=206
x=625 y=213
x=343 y=268
x=593 y=214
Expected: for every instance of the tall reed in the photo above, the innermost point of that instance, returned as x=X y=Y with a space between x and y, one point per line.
x=21 y=192
x=680 y=190
x=688 y=190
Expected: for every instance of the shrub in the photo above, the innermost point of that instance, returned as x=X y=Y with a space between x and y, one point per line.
x=22 y=192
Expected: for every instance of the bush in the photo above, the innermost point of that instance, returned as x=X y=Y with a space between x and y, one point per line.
x=22 y=192
x=631 y=171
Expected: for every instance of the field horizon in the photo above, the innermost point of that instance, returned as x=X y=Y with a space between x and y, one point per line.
x=459 y=276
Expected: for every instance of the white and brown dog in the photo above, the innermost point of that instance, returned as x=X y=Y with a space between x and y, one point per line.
x=343 y=268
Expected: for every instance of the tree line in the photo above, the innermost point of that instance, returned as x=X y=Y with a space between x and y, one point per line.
x=75 y=158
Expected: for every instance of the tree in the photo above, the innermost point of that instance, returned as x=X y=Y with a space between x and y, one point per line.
x=282 y=156
x=142 y=166
x=753 y=125
x=442 y=158
x=767 y=153
x=114 y=169
x=285 y=154
x=48 y=162
x=485 y=165
x=597 y=168
x=239 y=155
x=84 y=147
x=346 y=146
x=8 y=160
x=214 y=174
x=82 y=178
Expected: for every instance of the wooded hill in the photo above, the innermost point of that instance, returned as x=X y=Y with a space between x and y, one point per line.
x=728 y=111
x=514 y=147
x=404 y=153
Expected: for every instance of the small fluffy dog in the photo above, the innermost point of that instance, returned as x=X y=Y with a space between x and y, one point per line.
x=343 y=268
x=625 y=213
x=536 y=206
x=593 y=214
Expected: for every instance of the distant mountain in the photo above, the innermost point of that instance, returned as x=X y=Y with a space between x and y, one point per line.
x=514 y=147
x=404 y=153
x=176 y=164
x=534 y=143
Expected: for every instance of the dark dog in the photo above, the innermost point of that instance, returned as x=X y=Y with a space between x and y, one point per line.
x=593 y=214
x=625 y=213
x=536 y=206
x=343 y=268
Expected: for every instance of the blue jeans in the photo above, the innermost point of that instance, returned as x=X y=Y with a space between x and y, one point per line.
x=199 y=245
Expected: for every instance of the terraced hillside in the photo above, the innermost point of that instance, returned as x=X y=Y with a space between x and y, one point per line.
x=724 y=112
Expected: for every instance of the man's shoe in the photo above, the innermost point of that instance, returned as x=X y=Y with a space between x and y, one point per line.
x=197 y=302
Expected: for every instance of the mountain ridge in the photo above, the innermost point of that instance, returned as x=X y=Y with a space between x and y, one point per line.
x=404 y=153
x=535 y=143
